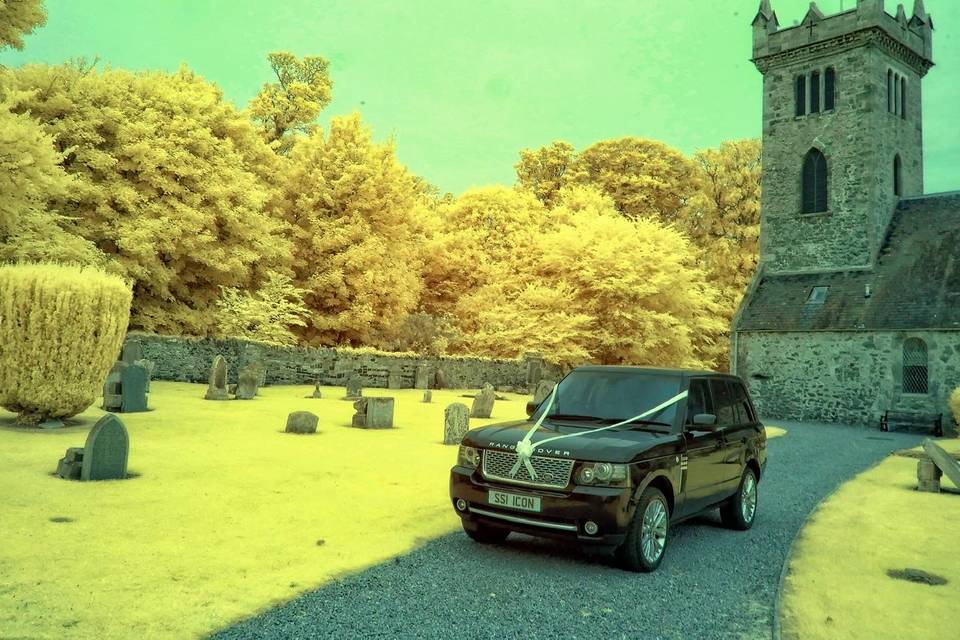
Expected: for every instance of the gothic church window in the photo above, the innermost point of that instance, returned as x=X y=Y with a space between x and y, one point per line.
x=896 y=93
x=915 y=374
x=903 y=98
x=897 y=170
x=889 y=91
x=814 y=191
x=815 y=92
x=829 y=87
x=801 y=95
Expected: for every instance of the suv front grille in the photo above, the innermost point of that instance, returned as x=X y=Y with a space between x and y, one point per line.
x=552 y=473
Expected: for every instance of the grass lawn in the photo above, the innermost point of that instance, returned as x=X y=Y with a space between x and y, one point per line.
x=838 y=587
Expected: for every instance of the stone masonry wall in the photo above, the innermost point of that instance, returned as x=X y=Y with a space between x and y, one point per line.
x=844 y=377
x=188 y=360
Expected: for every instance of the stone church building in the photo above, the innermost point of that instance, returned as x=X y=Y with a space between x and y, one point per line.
x=855 y=307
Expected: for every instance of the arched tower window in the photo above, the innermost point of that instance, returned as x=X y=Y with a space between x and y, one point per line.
x=889 y=91
x=897 y=186
x=815 y=92
x=814 y=191
x=801 y=95
x=829 y=87
x=915 y=374
x=896 y=93
x=903 y=98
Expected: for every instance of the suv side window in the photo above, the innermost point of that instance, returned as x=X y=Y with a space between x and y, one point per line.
x=698 y=399
x=744 y=410
x=723 y=402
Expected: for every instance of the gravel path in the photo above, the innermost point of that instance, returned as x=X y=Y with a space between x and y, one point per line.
x=713 y=583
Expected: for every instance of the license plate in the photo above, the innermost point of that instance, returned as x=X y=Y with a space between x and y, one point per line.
x=514 y=501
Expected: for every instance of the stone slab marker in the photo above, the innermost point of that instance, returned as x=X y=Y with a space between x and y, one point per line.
x=943 y=460
x=149 y=366
x=133 y=388
x=217 y=386
x=71 y=464
x=421 y=377
x=317 y=394
x=394 y=379
x=302 y=422
x=544 y=387
x=132 y=351
x=928 y=476
x=483 y=402
x=106 y=451
x=247 y=383
x=456 y=423
x=354 y=388
x=373 y=413
x=439 y=379
x=428 y=396
x=112 y=397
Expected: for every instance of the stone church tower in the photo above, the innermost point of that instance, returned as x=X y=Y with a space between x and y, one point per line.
x=855 y=308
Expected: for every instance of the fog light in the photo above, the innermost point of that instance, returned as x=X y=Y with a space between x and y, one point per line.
x=461 y=504
x=591 y=527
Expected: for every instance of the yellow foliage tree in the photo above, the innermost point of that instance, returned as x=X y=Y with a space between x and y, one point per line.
x=17 y=18
x=265 y=315
x=542 y=171
x=30 y=175
x=61 y=329
x=163 y=185
x=291 y=104
x=355 y=214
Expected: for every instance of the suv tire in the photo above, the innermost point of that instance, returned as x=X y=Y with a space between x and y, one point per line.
x=485 y=534
x=646 y=540
x=741 y=510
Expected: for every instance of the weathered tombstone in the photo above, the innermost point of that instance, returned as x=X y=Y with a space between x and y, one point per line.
x=928 y=476
x=247 y=382
x=439 y=379
x=133 y=389
x=302 y=422
x=71 y=464
x=483 y=402
x=354 y=388
x=148 y=365
x=943 y=460
x=132 y=351
x=112 y=396
x=217 y=386
x=534 y=361
x=106 y=450
x=456 y=423
x=373 y=413
x=421 y=377
x=544 y=387
x=259 y=367
x=316 y=395
x=394 y=379
x=427 y=396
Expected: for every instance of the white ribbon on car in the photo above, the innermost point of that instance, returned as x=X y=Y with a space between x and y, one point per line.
x=525 y=447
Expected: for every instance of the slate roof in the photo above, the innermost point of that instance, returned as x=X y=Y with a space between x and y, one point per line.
x=914 y=285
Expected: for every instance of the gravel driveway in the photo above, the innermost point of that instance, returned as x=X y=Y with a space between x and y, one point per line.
x=713 y=583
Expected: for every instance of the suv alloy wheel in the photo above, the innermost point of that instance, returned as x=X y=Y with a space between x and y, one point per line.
x=741 y=510
x=647 y=537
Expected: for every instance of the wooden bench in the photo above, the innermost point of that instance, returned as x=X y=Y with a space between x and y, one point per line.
x=934 y=420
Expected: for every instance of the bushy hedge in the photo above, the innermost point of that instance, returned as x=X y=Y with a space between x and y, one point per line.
x=61 y=328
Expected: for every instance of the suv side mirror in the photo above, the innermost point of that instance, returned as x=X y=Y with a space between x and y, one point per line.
x=705 y=422
x=531 y=407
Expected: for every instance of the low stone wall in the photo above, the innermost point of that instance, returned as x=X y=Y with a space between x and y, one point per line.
x=188 y=360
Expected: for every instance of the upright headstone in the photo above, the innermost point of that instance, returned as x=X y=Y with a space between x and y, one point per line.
x=534 y=361
x=439 y=379
x=928 y=476
x=394 y=379
x=456 y=423
x=317 y=394
x=149 y=366
x=132 y=351
x=106 y=450
x=217 y=385
x=373 y=413
x=247 y=382
x=259 y=368
x=421 y=377
x=428 y=396
x=483 y=402
x=354 y=388
x=302 y=422
x=112 y=390
x=71 y=464
x=943 y=460
x=133 y=388
x=544 y=387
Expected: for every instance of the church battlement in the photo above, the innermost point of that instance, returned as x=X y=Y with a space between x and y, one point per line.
x=911 y=38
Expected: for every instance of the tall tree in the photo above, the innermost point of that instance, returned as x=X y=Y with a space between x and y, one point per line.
x=542 y=171
x=18 y=18
x=292 y=103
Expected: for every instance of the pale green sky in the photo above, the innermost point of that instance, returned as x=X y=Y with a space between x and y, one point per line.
x=464 y=85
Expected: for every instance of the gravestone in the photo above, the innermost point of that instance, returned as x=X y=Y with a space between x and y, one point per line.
x=132 y=351
x=112 y=396
x=427 y=396
x=943 y=460
x=456 y=423
x=133 y=388
x=354 y=388
x=439 y=379
x=247 y=382
x=544 y=387
x=259 y=368
x=373 y=413
x=302 y=422
x=148 y=365
x=928 y=476
x=534 y=361
x=217 y=385
x=394 y=379
x=316 y=395
x=421 y=377
x=71 y=464
x=106 y=450
x=483 y=402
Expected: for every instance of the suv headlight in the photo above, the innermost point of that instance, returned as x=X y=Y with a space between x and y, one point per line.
x=604 y=474
x=468 y=457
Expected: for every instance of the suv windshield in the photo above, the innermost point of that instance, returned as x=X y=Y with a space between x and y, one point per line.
x=614 y=395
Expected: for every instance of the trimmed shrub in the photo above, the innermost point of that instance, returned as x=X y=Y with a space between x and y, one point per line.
x=61 y=328
x=955 y=407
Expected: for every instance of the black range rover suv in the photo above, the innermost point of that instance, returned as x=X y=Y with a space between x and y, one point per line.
x=617 y=489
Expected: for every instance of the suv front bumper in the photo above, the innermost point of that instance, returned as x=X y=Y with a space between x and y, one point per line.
x=562 y=514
